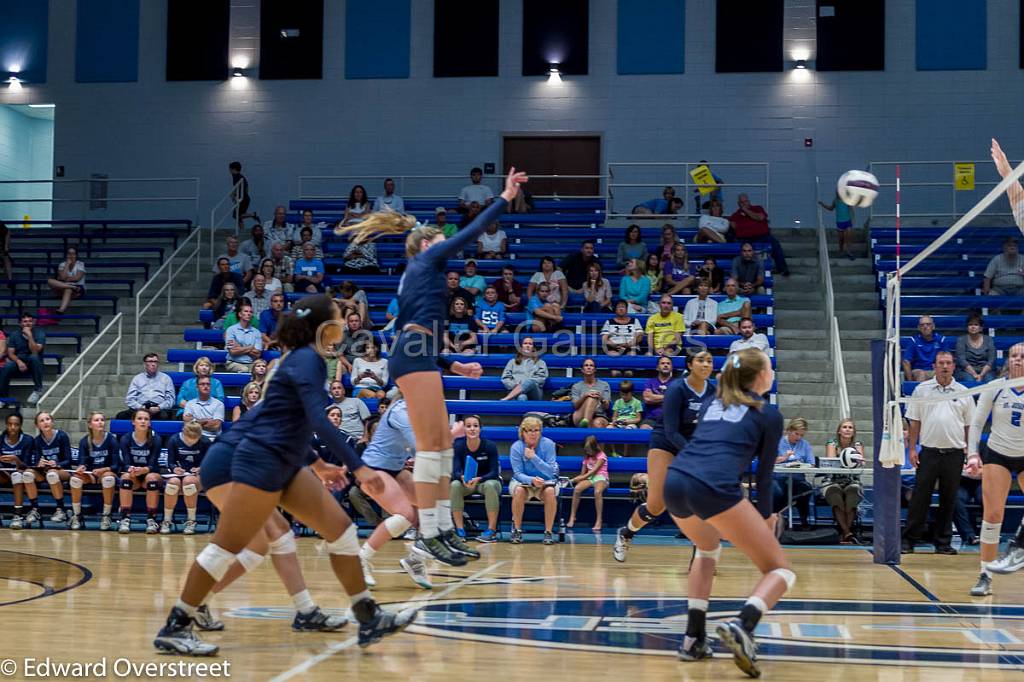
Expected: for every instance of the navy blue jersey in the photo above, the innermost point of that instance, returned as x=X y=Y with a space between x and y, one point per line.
x=724 y=444
x=486 y=456
x=422 y=291
x=102 y=456
x=22 y=449
x=181 y=454
x=680 y=411
x=135 y=454
x=57 y=448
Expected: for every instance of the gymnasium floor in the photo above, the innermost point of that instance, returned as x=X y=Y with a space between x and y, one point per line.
x=521 y=612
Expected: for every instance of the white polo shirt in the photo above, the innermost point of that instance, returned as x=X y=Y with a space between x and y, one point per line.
x=756 y=340
x=942 y=423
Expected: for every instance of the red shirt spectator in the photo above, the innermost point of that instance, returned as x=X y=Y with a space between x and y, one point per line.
x=510 y=292
x=749 y=221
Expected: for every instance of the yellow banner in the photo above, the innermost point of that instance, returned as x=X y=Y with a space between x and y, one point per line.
x=963 y=176
x=704 y=179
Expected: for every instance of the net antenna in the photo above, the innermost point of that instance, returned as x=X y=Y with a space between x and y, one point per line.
x=892 y=452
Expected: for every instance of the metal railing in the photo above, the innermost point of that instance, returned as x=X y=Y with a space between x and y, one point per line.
x=626 y=179
x=83 y=372
x=172 y=273
x=835 y=340
x=427 y=186
x=223 y=209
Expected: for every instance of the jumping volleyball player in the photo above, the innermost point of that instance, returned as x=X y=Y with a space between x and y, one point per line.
x=704 y=495
x=422 y=314
x=269 y=470
x=681 y=406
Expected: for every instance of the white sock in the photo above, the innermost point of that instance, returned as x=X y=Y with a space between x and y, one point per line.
x=303 y=602
x=366 y=552
x=629 y=525
x=984 y=569
x=444 y=515
x=356 y=598
x=428 y=523
x=76 y=507
x=190 y=611
x=168 y=514
x=697 y=604
x=107 y=508
x=191 y=511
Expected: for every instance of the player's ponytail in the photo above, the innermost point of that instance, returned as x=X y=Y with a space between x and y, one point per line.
x=299 y=326
x=740 y=374
x=389 y=222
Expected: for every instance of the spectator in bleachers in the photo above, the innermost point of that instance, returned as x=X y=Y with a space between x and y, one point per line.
x=748 y=270
x=441 y=219
x=713 y=195
x=712 y=227
x=675 y=206
x=242 y=341
x=278 y=229
x=1004 y=275
x=250 y=396
x=534 y=476
x=713 y=274
x=733 y=309
x=225 y=306
x=475 y=192
x=967 y=495
x=305 y=236
x=593 y=473
x=218 y=281
x=510 y=291
x=202 y=367
x=748 y=338
x=355 y=414
x=271 y=317
x=597 y=291
x=205 y=409
x=591 y=398
x=975 y=352
x=284 y=266
x=256 y=247
x=3 y=352
x=660 y=206
x=238 y=262
x=455 y=290
x=258 y=371
x=389 y=201
x=750 y=222
x=70 y=279
x=490 y=313
x=700 y=314
x=258 y=297
x=668 y=241
x=309 y=271
x=316 y=227
x=460 y=336
x=630 y=248
x=543 y=317
x=492 y=244
x=350 y=298
x=574 y=265
x=270 y=281
x=793 y=451
x=472 y=211
x=358 y=206
x=844 y=492
x=360 y=258
x=486 y=481
x=622 y=334
x=352 y=345
x=25 y=357
x=150 y=390
x=522 y=202
x=391 y=314
x=919 y=355
x=558 y=289
x=678 y=279
x=654 y=392
x=627 y=410
x=652 y=270
x=524 y=375
x=665 y=329
x=635 y=288
x=369 y=375
x=472 y=282
x=241 y=211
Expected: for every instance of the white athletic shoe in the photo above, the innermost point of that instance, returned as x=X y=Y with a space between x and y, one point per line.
x=165 y=527
x=34 y=397
x=59 y=516
x=417 y=570
x=983 y=587
x=76 y=522
x=32 y=517
x=105 y=522
x=621 y=548
x=1011 y=562
x=190 y=527
x=16 y=522
x=124 y=525
x=152 y=527
x=368 y=572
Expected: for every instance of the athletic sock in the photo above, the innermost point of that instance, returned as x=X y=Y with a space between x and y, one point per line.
x=168 y=514
x=190 y=611
x=17 y=510
x=190 y=513
x=366 y=552
x=107 y=509
x=696 y=618
x=428 y=523
x=60 y=503
x=76 y=507
x=750 y=614
x=124 y=512
x=303 y=602
x=31 y=504
x=444 y=516
x=151 y=514
x=984 y=569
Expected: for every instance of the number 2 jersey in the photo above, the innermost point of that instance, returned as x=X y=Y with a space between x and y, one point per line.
x=1007 y=408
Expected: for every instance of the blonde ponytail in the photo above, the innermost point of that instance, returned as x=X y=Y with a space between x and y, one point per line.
x=382 y=223
x=740 y=373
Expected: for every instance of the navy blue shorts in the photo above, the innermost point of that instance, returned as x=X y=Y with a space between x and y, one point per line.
x=391 y=472
x=660 y=441
x=413 y=351
x=255 y=466
x=216 y=466
x=686 y=496
x=1014 y=465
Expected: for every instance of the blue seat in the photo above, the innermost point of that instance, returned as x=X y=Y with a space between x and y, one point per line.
x=95 y=319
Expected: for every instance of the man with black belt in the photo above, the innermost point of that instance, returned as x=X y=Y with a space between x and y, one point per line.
x=941 y=427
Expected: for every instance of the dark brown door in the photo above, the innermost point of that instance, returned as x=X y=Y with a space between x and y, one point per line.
x=556 y=155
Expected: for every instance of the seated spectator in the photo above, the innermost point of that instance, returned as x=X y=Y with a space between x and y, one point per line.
x=270 y=280
x=352 y=345
x=350 y=298
x=700 y=314
x=459 y=336
x=270 y=318
x=660 y=206
x=543 y=317
x=389 y=201
x=205 y=409
x=793 y=451
x=224 y=307
x=441 y=219
x=492 y=244
x=653 y=271
x=748 y=270
x=369 y=375
x=256 y=247
x=69 y=281
x=654 y=392
x=391 y=314
x=622 y=334
x=475 y=192
x=242 y=341
x=733 y=309
x=355 y=414
x=844 y=492
x=258 y=371
x=750 y=223
x=675 y=206
x=627 y=410
x=238 y=262
x=472 y=211
x=360 y=258
x=534 y=476
x=591 y=398
x=669 y=239
x=202 y=367
x=305 y=236
x=150 y=390
x=309 y=271
x=524 y=375
x=278 y=230
x=258 y=297
x=357 y=208
x=1004 y=275
x=631 y=248
x=284 y=267
x=453 y=278
x=597 y=291
x=574 y=266
x=968 y=495
x=635 y=289
x=316 y=227
x=715 y=195
x=218 y=281
x=472 y=282
x=975 y=353
x=713 y=274
x=25 y=357
x=677 y=279
x=713 y=227
x=665 y=329
x=486 y=480
x=510 y=291
x=490 y=313
x=250 y=396
x=522 y=202
x=919 y=355
x=593 y=473
x=748 y=339
x=558 y=289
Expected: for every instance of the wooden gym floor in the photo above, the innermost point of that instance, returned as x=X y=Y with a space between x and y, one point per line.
x=524 y=612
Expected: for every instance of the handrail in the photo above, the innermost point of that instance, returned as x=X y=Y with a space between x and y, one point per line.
x=171 y=274
x=401 y=180
x=234 y=195
x=84 y=373
x=835 y=340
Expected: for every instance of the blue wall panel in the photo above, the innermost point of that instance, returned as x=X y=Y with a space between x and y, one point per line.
x=107 y=41
x=651 y=36
x=24 y=27
x=951 y=35
x=377 y=36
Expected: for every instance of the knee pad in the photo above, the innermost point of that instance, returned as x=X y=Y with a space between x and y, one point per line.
x=990 y=532
x=152 y=485
x=249 y=559
x=215 y=560
x=52 y=477
x=28 y=476
x=126 y=484
x=713 y=554
x=169 y=488
x=108 y=481
x=446 y=462
x=427 y=467
x=284 y=544
x=645 y=515
x=190 y=489
x=16 y=478
x=347 y=543
x=396 y=525
x=76 y=483
x=787 y=575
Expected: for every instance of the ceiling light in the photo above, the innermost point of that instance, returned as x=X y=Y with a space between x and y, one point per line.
x=554 y=74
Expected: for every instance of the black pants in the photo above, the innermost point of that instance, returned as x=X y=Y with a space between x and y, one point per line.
x=942 y=466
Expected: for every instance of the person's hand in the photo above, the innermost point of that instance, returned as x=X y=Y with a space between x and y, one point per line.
x=915 y=459
x=332 y=475
x=7 y=458
x=771 y=521
x=999 y=157
x=471 y=370
x=80 y=469
x=179 y=471
x=974 y=465
x=26 y=333
x=537 y=481
x=458 y=430
x=780 y=459
x=21 y=366
x=529 y=453
x=370 y=480
x=473 y=482
x=154 y=409
x=512 y=182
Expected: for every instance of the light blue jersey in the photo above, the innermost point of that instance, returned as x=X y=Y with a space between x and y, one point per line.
x=393 y=442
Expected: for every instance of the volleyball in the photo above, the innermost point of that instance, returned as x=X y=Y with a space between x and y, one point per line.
x=857 y=188
x=850 y=458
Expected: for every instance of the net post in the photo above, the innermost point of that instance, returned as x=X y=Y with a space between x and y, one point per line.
x=887 y=539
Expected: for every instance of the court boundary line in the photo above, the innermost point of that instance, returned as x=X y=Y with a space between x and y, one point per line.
x=87 y=575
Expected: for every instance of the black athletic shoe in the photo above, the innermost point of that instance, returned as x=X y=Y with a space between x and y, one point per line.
x=698 y=650
x=742 y=645
x=946 y=549
x=176 y=637
x=318 y=621
x=436 y=548
x=204 y=620
x=458 y=545
x=384 y=623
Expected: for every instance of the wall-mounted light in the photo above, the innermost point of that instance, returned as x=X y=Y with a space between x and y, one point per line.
x=13 y=82
x=237 y=73
x=801 y=63
x=554 y=74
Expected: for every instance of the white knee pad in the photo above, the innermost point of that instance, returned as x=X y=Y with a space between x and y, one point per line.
x=215 y=560
x=52 y=477
x=990 y=532
x=108 y=481
x=189 y=489
x=446 y=462
x=427 y=467
x=397 y=525
x=28 y=477
x=713 y=554
x=171 y=489
x=16 y=477
x=787 y=575
x=284 y=544
x=347 y=543
x=249 y=559
x=76 y=483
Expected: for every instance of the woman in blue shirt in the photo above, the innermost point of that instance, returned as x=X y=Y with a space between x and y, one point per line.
x=534 y=475
x=635 y=288
x=202 y=367
x=793 y=451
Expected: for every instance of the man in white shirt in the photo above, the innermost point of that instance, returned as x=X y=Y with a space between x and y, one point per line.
x=941 y=427
x=279 y=230
x=748 y=339
x=475 y=191
x=701 y=313
x=389 y=201
x=205 y=409
x=258 y=296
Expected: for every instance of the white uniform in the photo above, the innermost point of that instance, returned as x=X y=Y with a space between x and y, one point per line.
x=1007 y=408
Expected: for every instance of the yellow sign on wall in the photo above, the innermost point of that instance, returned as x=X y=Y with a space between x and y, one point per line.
x=963 y=176
x=704 y=179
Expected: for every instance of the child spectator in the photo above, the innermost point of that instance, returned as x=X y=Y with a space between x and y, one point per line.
x=844 y=221
x=490 y=313
x=627 y=411
x=593 y=473
x=652 y=270
x=543 y=317
x=713 y=274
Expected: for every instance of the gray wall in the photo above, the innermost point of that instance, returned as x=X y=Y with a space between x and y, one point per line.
x=26 y=152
